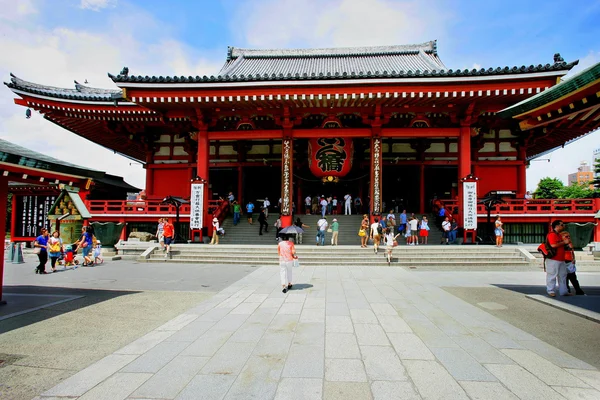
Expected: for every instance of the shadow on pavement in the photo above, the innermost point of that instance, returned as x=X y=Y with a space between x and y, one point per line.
x=301 y=286
x=590 y=302
x=28 y=305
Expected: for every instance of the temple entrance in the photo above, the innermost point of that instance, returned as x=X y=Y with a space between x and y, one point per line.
x=261 y=182
x=400 y=187
x=440 y=182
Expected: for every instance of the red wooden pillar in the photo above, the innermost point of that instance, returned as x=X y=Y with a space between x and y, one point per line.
x=203 y=173
x=124 y=230
x=149 y=174
x=375 y=186
x=287 y=176
x=3 y=196
x=422 y=189
x=522 y=173
x=464 y=165
x=597 y=221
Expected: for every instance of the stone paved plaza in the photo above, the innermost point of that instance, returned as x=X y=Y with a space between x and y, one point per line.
x=341 y=333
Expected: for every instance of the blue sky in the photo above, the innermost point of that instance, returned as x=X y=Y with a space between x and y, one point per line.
x=56 y=41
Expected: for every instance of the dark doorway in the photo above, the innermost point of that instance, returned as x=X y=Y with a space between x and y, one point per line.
x=401 y=187
x=261 y=182
x=441 y=182
x=222 y=181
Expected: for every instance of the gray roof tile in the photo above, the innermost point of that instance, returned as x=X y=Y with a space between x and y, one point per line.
x=80 y=92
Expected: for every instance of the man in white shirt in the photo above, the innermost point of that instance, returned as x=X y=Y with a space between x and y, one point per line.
x=391 y=220
x=376 y=234
x=266 y=205
x=322 y=227
x=307 y=203
x=348 y=204
x=446 y=225
x=414 y=231
x=323 y=206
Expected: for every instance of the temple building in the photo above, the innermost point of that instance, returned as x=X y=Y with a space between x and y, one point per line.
x=390 y=124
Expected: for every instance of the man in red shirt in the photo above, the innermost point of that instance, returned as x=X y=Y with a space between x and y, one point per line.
x=168 y=235
x=555 y=266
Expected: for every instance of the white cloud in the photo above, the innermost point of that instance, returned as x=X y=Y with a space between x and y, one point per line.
x=97 y=5
x=338 y=23
x=58 y=56
x=15 y=10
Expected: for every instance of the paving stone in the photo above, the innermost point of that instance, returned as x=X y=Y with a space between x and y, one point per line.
x=357 y=302
x=295 y=297
x=339 y=297
x=177 y=323
x=249 y=333
x=555 y=355
x=272 y=302
x=284 y=323
x=543 y=369
x=256 y=298
x=481 y=350
x=341 y=324
x=191 y=332
x=337 y=309
x=410 y=347
x=231 y=322
x=430 y=334
x=592 y=378
x=258 y=379
x=245 y=308
x=347 y=390
x=169 y=381
x=310 y=333
x=304 y=361
x=203 y=307
x=314 y=302
x=385 y=390
x=383 y=309
x=299 y=389
x=363 y=317
x=207 y=344
x=577 y=393
x=487 y=391
x=382 y=363
x=145 y=343
x=341 y=345
x=91 y=376
x=433 y=381
x=262 y=316
x=394 y=324
x=290 y=308
x=370 y=334
x=312 y=315
x=462 y=366
x=522 y=383
x=344 y=370
x=215 y=314
x=229 y=359
x=156 y=358
x=117 y=387
x=206 y=387
x=498 y=340
x=274 y=345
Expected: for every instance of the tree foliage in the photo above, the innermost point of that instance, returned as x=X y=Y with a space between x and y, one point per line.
x=576 y=191
x=548 y=188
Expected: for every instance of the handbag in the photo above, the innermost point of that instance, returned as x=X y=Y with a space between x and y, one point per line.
x=329 y=230
x=37 y=250
x=362 y=233
x=296 y=263
x=395 y=243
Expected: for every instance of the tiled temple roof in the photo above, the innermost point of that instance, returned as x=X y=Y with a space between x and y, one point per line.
x=80 y=92
x=405 y=61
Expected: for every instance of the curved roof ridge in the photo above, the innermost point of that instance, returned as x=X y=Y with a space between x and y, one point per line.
x=80 y=91
x=429 y=47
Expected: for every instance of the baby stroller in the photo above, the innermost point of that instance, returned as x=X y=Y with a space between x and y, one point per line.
x=70 y=255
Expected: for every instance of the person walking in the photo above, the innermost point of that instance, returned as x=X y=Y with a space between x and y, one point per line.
x=287 y=255
x=446 y=226
x=363 y=232
x=262 y=220
x=403 y=221
x=424 y=231
x=237 y=211
x=215 y=231
x=335 y=227
x=307 y=203
x=499 y=231
x=266 y=204
x=301 y=225
x=41 y=243
x=358 y=205
x=453 y=230
x=321 y=228
x=414 y=231
x=54 y=249
x=376 y=231
x=249 y=211
x=160 y=233
x=169 y=236
x=556 y=269
x=570 y=263
x=347 y=204
x=390 y=243
x=278 y=227
x=323 y=207
x=334 y=205
x=85 y=243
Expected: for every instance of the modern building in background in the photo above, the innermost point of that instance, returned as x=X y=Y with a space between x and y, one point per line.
x=584 y=174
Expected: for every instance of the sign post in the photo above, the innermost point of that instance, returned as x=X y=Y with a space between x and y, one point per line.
x=197 y=208
x=469 y=197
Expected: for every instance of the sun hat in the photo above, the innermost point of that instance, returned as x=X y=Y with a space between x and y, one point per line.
x=215 y=219
x=334 y=220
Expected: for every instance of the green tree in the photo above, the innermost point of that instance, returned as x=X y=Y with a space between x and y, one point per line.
x=576 y=191
x=548 y=188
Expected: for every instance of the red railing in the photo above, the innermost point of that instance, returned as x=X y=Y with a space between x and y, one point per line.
x=148 y=207
x=547 y=206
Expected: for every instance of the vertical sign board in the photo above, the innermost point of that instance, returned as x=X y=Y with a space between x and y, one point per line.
x=196 y=205
x=32 y=215
x=470 y=205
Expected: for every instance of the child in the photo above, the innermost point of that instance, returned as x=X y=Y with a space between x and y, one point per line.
x=570 y=261
x=98 y=253
x=70 y=256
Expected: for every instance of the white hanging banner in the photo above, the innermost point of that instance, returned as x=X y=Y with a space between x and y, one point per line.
x=470 y=205
x=196 y=205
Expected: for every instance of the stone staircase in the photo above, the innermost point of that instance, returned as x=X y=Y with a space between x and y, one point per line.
x=413 y=257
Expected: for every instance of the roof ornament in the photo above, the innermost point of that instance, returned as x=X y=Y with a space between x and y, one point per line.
x=28 y=113
x=124 y=72
x=558 y=59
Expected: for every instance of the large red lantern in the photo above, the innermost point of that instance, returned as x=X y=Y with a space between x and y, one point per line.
x=330 y=156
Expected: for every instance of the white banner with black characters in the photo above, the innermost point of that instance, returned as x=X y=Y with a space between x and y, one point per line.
x=196 y=205
x=470 y=205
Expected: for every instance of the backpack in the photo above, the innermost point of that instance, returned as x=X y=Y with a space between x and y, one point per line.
x=546 y=250
x=379 y=229
x=55 y=247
